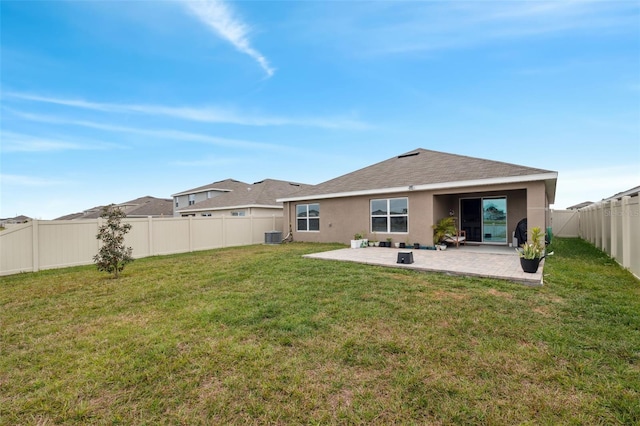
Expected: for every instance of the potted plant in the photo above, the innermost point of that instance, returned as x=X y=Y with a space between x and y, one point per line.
x=389 y=240
x=445 y=226
x=531 y=253
x=358 y=241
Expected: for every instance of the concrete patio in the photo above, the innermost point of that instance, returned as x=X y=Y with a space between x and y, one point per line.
x=497 y=262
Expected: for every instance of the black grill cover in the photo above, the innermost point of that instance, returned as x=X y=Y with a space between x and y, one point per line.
x=521 y=232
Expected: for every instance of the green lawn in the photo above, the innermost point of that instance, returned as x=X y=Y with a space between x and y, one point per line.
x=260 y=335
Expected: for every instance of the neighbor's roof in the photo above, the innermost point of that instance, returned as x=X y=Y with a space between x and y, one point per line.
x=580 y=205
x=149 y=206
x=628 y=193
x=221 y=185
x=140 y=207
x=423 y=169
x=259 y=194
x=18 y=219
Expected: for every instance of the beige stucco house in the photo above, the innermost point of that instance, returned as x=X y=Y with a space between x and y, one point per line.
x=402 y=197
x=234 y=198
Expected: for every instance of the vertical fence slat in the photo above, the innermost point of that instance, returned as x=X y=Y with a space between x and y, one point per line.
x=35 y=235
x=626 y=230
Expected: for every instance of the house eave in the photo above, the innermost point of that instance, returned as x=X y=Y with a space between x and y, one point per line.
x=246 y=206
x=201 y=191
x=549 y=179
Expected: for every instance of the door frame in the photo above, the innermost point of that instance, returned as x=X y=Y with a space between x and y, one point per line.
x=482 y=198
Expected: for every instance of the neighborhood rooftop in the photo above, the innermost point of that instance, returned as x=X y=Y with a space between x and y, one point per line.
x=262 y=194
x=225 y=185
x=140 y=207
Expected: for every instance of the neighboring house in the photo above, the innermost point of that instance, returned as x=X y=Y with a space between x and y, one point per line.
x=257 y=199
x=402 y=197
x=190 y=197
x=140 y=207
x=15 y=220
x=580 y=205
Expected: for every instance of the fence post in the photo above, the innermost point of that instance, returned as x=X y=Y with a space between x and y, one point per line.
x=251 y=230
x=606 y=210
x=593 y=225
x=614 y=229
x=626 y=232
x=224 y=230
x=150 y=239
x=190 y=234
x=35 y=245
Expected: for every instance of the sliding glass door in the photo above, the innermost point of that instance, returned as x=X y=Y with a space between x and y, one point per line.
x=494 y=220
x=484 y=219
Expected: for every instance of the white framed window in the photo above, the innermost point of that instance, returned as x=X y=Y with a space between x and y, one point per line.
x=177 y=204
x=308 y=217
x=206 y=214
x=238 y=214
x=192 y=199
x=390 y=215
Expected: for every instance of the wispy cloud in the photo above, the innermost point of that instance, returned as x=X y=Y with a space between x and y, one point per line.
x=33 y=181
x=206 y=114
x=219 y=16
x=18 y=142
x=435 y=26
x=176 y=135
x=210 y=162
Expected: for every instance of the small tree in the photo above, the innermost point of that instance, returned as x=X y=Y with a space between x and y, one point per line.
x=113 y=255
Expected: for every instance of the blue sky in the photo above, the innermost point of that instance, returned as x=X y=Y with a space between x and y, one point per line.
x=106 y=101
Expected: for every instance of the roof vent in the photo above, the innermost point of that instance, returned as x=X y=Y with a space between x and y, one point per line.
x=411 y=154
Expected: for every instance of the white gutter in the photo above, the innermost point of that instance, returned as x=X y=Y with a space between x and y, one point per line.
x=427 y=187
x=201 y=191
x=211 y=209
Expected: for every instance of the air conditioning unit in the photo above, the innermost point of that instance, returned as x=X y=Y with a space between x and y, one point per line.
x=273 y=237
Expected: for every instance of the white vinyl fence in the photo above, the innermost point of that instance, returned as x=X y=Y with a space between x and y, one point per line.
x=565 y=223
x=612 y=226
x=56 y=244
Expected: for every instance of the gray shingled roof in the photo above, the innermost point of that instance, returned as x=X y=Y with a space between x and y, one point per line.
x=140 y=207
x=263 y=193
x=418 y=167
x=580 y=205
x=221 y=185
x=151 y=206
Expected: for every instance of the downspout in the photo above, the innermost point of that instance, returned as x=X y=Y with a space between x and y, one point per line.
x=289 y=237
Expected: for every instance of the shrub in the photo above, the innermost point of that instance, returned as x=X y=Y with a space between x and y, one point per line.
x=113 y=254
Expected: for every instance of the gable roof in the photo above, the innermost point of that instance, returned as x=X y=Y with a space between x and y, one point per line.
x=149 y=206
x=225 y=185
x=423 y=169
x=140 y=207
x=260 y=194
